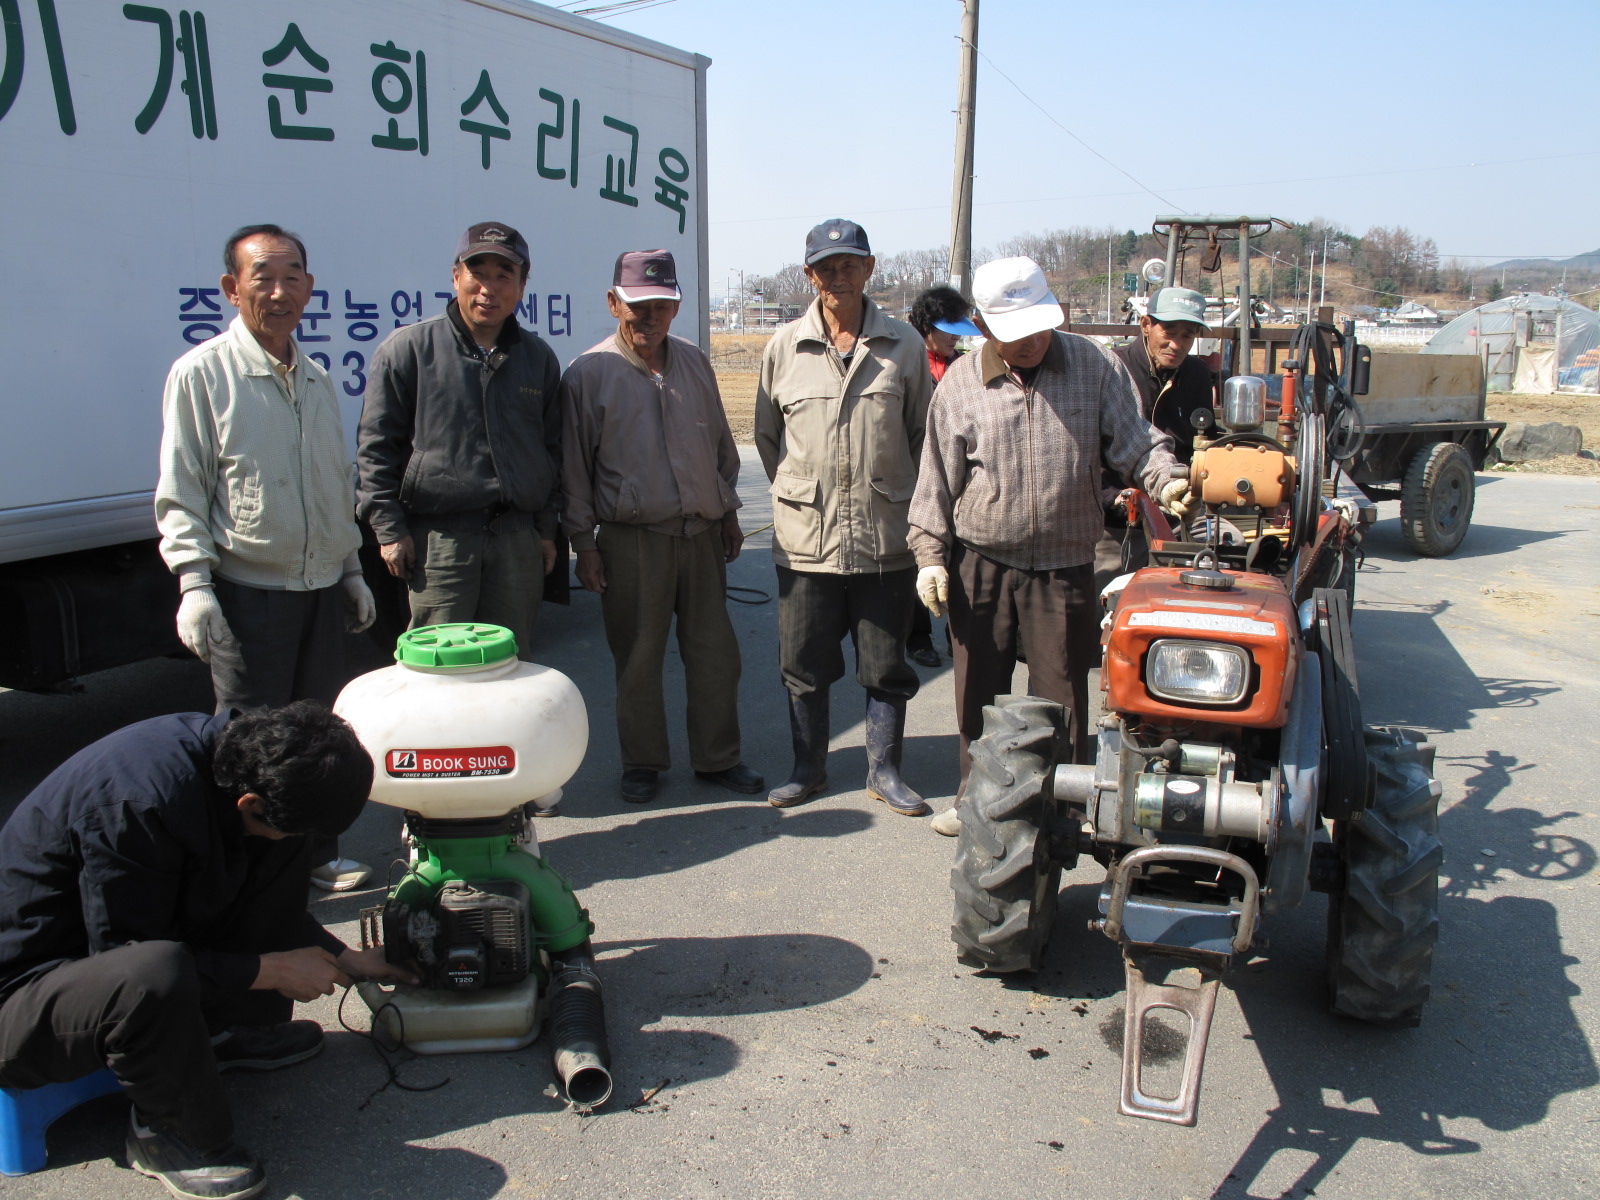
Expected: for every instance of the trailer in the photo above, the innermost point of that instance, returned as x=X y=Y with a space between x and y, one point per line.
x=137 y=137
x=1418 y=436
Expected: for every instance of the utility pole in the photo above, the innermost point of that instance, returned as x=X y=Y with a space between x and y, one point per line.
x=961 y=200
x=1323 y=296
x=1109 y=243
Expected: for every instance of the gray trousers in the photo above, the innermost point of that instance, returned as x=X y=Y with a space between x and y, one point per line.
x=471 y=568
x=650 y=579
x=1052 y=616
x=817 y=611
x=1119 y=550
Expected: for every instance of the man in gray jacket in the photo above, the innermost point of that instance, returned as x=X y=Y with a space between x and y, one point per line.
x=840 y=405
x=460 y=448
x=649 y=459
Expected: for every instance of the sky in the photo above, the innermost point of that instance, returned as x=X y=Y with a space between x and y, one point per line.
x=1470 y=122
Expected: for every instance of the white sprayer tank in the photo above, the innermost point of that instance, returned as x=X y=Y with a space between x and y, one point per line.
x=460 y=727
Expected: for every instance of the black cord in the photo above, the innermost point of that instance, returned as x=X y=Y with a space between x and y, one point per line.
x=765 y=598
x=390 y=1066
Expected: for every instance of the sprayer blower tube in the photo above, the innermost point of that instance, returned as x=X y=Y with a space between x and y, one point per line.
x=578 y=1031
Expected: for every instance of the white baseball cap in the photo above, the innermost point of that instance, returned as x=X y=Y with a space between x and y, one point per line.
x=1014 y=298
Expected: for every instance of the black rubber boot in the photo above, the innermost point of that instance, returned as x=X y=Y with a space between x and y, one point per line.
x=886 y=729
x=808 y=726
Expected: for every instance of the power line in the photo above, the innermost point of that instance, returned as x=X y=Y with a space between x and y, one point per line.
x=1051 y=118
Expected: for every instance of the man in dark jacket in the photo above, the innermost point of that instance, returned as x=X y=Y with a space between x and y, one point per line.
x=460 y=447
x=1171 y=384
x=153 y=920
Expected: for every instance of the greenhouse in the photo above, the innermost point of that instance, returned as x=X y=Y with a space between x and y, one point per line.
x=1528 y=343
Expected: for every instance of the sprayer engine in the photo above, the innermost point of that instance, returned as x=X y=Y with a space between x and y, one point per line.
x=471 y=935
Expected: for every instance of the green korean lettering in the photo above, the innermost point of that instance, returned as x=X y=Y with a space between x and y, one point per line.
x=55 y=58
x=302 y=86
x=196 y=49
x=620 y=176
x=484 y=94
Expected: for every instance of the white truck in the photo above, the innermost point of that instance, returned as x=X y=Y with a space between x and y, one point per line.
x=136 y=137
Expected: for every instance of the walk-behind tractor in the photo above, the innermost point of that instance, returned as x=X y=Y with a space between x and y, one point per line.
x=464 y=738
x=1232 y=773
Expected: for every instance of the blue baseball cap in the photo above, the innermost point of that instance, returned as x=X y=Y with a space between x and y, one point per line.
x=837 y=236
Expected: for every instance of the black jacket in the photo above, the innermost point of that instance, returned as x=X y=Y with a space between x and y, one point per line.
x=1168 y=404
x=446 y=430
x=130 y=840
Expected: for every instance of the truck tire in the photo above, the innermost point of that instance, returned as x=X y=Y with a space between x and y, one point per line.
x=1383 y=922
x=1436 y=499
x=1004 y=880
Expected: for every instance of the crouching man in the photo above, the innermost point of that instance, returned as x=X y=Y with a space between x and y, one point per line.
x=153 y=920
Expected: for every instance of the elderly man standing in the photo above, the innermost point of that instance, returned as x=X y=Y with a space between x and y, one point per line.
x=840 y=407
x=648 y=458
x=460 y=447
x=254 y=503
x=1172 y=385
x=1007 y=508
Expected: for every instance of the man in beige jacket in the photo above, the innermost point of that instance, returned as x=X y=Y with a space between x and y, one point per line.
x=649 y=459
x=840 y=406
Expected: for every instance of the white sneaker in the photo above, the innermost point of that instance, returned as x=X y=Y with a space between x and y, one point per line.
x=340 y=875
x=948 y=822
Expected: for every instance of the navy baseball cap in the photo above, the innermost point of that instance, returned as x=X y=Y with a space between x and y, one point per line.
x=836 y=237
x=492 y=237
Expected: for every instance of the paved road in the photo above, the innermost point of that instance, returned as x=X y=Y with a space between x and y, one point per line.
x=788 y=1019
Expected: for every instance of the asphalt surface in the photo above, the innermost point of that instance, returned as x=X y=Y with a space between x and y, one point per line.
x=787 y=1017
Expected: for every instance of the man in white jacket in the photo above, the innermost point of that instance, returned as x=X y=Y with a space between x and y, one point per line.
x=256 y=504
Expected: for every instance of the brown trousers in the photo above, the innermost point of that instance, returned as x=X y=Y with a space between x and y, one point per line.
x=1051 y=616
x=651 y=578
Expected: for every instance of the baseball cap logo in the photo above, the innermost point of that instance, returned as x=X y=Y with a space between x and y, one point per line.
x=834 y=235
x=1018 y=293
x=492 y=234
x=652 y=271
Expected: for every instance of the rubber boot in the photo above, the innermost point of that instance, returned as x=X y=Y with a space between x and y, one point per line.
x=886 y=730
x=808 y=727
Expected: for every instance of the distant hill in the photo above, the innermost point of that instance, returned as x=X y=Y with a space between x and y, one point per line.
x=1578 y=262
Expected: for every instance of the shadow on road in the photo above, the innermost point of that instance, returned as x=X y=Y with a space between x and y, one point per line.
x=656 y=980
x=1386 y=540
x=1416 y=649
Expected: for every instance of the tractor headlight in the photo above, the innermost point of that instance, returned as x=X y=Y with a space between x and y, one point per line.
x=1198 y=672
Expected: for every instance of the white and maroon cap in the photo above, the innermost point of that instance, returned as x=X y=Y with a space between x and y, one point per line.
x=645 y=275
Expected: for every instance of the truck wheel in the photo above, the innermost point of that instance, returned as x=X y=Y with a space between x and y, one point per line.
x=1383 y=923
x=1436 y=499
x=1004 y=880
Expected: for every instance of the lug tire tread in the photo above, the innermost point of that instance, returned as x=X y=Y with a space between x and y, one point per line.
x=1383 y=926
x=1001 y=868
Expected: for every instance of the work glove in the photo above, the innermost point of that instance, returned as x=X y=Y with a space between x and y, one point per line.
x=933 y=589
x=1176 y=498
x=201 y=626
x=363 y=609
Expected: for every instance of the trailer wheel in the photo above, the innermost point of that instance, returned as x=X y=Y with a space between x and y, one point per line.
x=1383 y=922
x=1004 y=879
x=1436 y=499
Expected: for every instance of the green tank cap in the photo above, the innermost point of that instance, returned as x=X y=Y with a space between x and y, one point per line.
x=460 y=645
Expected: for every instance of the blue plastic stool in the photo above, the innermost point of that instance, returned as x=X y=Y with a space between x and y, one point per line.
x=25 y=1113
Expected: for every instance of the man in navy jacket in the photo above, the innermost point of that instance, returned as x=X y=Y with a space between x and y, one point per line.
x=153 y=919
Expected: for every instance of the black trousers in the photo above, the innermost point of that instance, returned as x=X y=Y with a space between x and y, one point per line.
x=817 y=611
x=148 y=1013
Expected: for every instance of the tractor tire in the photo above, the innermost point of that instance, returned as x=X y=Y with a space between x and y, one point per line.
x=1383 y=923
x=1004 y=880
x=1436 y=499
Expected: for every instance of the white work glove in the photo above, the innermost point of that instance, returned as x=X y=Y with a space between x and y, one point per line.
x=363 y=609
x=201 y=626
x=933 y=589
x=1176 y=498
